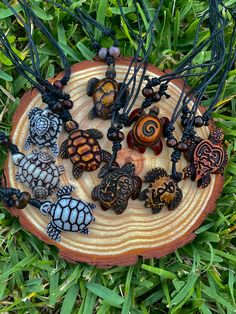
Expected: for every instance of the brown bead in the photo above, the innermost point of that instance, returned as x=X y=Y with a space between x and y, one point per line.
x=198 y=121
x=68 y=104
x=182 y=147
x=23 y=200
x=171 y=142
x=5 y=141
x=58 y=106
x=58 y=84
x=156 y=97
x=116 y=136
x=147 y=92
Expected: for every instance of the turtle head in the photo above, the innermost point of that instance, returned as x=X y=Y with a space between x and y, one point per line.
x=154 y=111
x=216 y=136
x=45 y=208
x=40 y=192
x=111 y=72
x=45 y=157
x=71 y=125
x=128 y=168
x=17 y=158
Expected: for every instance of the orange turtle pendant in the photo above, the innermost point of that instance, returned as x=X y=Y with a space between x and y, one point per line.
x=147 y=130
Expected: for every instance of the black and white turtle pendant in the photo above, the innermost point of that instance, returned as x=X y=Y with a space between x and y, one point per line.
x=67 y=214
x=45 y=126
x=162 y=191
x=118 y=185
x=37 y=171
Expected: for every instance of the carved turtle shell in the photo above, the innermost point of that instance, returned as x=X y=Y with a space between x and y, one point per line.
x=104 y=93
x=39 y=172
x=67 y=214
x=206 y=157
x=44 y=129
x=117 y=187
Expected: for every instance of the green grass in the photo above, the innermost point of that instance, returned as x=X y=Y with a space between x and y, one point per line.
x=198 y=278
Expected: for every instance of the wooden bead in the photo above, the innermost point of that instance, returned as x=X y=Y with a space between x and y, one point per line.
x=182 y=147
x=116 y=136
x=147 y=92
x=58 y=106
x=102 y=53
x=198 y=121
x=23 y=200
x=58 y=84
x=114 y=52
x=156 y=97
x=68 y=104
x=171 y=142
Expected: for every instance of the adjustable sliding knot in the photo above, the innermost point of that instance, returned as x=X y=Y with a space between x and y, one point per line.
x=49 y=100
x=65 y=115
x=206 y=117
x=123 y=119
x=175 y=156
x=169 y=129
x=109 y=59
x=96 y=45
x=162 y=90
x=147 y=103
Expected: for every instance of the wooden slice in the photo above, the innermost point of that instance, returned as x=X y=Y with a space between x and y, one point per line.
x=116 y=240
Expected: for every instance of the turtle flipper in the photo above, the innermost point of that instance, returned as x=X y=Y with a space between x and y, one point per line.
x=204 y=181
x=154 y=174
x=143 y=195
x=95 y=133
x=92 y=114
x=91 y=85
x=53 y=232
x=188 y=172
x=157 y=209
x=77 y=172
x=54 y=148
x=28 y=143
x=63 y=150
x=84 y=231
x=61 y=169
x=120 y=208
x=105 y=156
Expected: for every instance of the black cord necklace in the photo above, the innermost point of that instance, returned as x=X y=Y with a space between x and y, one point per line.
x=45 y=124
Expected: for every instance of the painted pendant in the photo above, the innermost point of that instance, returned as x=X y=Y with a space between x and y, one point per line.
x=147 y=131
x=206 y=157
x=83 y=149
x=38 y=172
x=45 y=126
x=117 y=187
x=162 y=191
x=67 y=214
x=104 y=94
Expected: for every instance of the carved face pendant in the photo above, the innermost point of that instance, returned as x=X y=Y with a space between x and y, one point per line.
x=206 y=157
x=67 y=214
x=147 y=131
x=117 y=187
x=38 y=172
x=162 y=191
x=83 y=149
x=45 y=126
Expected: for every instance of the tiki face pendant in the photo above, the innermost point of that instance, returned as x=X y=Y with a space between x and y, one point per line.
x=147 y=131
x=117 y=187
x=67 y=214
x=45 y=126
x=38 y=172
x=162 y=191
x=83 y=149
x=206 y=157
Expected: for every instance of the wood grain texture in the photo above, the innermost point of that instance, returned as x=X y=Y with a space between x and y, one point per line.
x=116 y=240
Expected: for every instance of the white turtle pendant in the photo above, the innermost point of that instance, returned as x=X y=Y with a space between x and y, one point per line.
x=45 y=126
x=38 y=172
x=67 y=214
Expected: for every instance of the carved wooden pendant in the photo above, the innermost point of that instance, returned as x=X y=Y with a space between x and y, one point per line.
x=147 y=130
x=206 y=157
x=162 y=191
x=117 y=187
x=83 y=149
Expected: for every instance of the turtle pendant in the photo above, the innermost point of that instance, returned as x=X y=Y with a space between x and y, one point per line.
x=83 y=149
x=104 y=92
x=118 y=185
x=67 y=214
x=37 y=170
x=147 y=130
x=45 y=126
x=206 y=157
x=162 y=191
